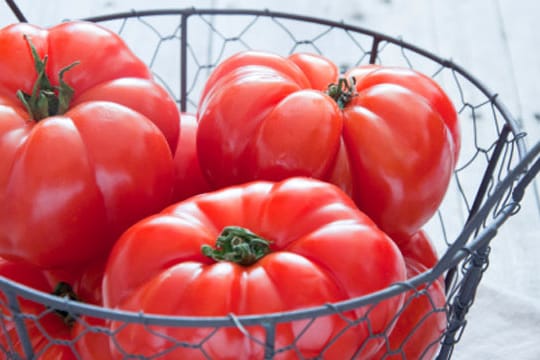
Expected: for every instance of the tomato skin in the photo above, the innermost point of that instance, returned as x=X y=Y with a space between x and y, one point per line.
x=189 y=179
x=421 y=324
x=320 y=71
x=129 y=92
x=259 y=60
x=86 y=281
x=279 y=151
x=230 y=105
x=371 y=75
x=17 y=71
x=392 y=147
x=316 y=233
x=89 y=342
x=401 y=158
x=77 y=202
x=113 y=73
x=64 y=44
x=113 y=56
x=71 y=183
x=420 y=248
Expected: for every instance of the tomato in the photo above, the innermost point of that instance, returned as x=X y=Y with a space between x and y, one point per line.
x=422 y=322
x=189 y=179
x=86 y=281
x=255 y=248
x=88 y=334
x=420 y=84
x=42 y=324
x=46 y=328
x=389 y=138
x=51 y=322
x=420 y=248
x=88 y=159
x=107 y=69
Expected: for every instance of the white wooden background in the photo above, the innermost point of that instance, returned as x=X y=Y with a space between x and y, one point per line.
x=498 y=42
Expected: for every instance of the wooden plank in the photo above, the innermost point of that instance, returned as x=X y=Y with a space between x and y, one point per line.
x=474 y=34
x=518 y=19
x=481 y=44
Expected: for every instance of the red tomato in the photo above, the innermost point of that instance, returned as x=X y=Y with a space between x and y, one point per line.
x=421 y=323
x=420 y=84
x=42 y=324
x=88 y=334
x=107 y=69
x=52 y=323
x=389 y=141
x=86 y=281
x=321 y=249
x=189 y=179
x=73 y=178
x=418 y=247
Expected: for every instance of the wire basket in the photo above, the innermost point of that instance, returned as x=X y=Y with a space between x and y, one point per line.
x=181 y=47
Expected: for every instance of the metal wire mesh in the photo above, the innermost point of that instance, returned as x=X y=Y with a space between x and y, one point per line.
x=182 y=47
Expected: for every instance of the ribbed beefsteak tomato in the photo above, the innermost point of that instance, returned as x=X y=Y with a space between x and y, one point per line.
x=255 y=248
x=83 y=142
x=387 y=136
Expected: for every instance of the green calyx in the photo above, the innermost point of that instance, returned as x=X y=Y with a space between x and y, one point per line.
x=46 y=100
x=64 y=290
x=238 y=245
x=343 y=91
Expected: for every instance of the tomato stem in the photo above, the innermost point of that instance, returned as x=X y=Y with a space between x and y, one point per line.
x=64 y=290
x=238 y=245
x=343 y=91
x=46 y=100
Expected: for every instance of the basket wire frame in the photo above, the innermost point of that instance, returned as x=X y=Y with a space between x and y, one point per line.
x=493 y=146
